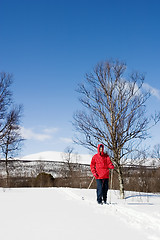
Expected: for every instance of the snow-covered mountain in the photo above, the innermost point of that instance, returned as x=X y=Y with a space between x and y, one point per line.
x=80 y=158
x=58 y=156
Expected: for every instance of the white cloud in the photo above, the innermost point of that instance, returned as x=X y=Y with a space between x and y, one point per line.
x=66 y=140
x=30 y=134
x=50 y=130
x=154 y=91
x=127 y=87
x=45 y=134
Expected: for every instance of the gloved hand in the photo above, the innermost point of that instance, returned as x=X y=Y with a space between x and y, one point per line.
x=95 y=175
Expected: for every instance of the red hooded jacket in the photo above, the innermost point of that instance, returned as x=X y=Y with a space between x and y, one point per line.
x=100 y=164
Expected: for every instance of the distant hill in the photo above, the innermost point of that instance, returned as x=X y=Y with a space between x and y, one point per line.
x=58 y=156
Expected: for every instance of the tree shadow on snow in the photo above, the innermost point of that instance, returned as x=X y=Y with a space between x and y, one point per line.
x=144 y=195
x=142 y=199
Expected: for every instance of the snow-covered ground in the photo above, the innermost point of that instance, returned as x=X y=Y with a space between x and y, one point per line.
x=65 y=213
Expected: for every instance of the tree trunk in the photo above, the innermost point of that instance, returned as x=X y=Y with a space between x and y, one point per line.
x=121 y=184
x=7 y=172
x=117 y=157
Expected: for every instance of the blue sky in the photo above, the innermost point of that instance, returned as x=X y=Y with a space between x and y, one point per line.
x=50 y=45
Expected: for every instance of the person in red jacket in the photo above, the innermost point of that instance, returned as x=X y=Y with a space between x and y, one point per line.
x=100 y=166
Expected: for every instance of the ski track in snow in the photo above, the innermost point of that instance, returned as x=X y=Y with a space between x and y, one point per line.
x=150 y=223
x=67 y=213
x=141 y=220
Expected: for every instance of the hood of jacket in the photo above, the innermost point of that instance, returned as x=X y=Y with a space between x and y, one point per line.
x=99 y=145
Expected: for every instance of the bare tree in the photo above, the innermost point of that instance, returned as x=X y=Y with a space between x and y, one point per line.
x=67 y=154
x=156 y=154
x=12 y=140
x=10 y=137
x=73 y=170
x=5 y=100
x=139 y=156
x=115 y=112
x=68 y=157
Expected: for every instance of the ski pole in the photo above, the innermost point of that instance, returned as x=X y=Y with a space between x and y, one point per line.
x=91 y=183
x=111 y=184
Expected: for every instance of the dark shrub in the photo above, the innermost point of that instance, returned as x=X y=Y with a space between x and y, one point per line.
x=44 y=180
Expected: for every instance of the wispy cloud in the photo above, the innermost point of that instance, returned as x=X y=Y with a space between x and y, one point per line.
x=50 y=130
x=30 y=134
x=154 y=91
x=43 y=135
x=66 y=140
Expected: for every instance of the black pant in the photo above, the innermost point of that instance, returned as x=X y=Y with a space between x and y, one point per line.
x=102 y=188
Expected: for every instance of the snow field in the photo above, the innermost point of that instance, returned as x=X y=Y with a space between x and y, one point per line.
x=65 y=213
